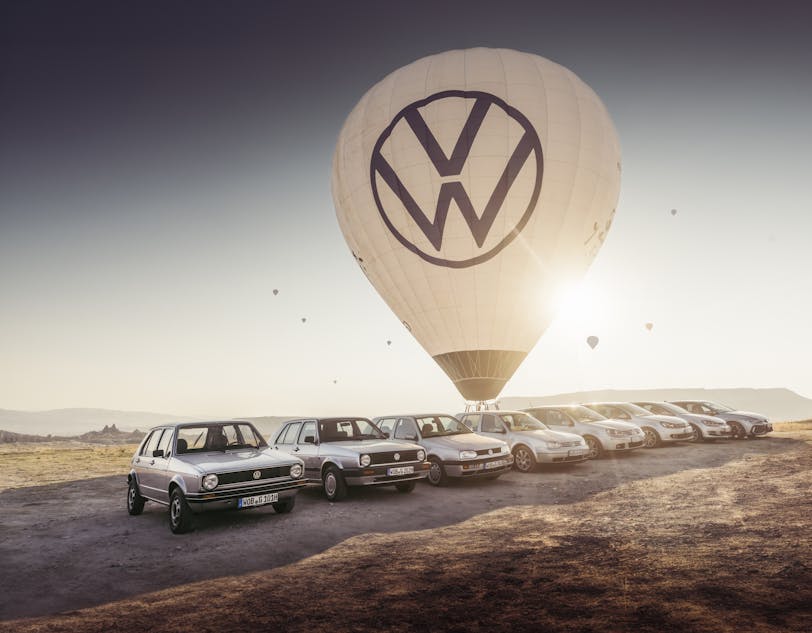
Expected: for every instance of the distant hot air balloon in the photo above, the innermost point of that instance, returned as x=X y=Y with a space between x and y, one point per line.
x=467 y=184
x=335 y=381
x=275 y=292
x=388 y=343
x=649 y=326
x=304 y=319
x=673 y=212
x=592 y=341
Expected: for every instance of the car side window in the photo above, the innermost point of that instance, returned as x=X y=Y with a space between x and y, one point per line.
x=387 y=425
x=490 y=423
x=166 y=442
x=308 y=429
x=618 y=414
x=152 y=443
x=289 y=434
x=556 y=418
x=406 y=429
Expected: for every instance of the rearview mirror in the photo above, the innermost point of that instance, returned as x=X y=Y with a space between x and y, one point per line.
x=386 y=434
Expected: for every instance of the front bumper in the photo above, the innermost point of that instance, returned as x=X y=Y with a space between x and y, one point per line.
x=761 y=429
x=479 y=467
x=561 y=455
x=715 y=431
x=227 y=498
x=677 y=435
x=379 y=475
x=622 y=443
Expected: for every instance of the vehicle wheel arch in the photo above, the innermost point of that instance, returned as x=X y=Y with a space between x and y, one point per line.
x=330 y=462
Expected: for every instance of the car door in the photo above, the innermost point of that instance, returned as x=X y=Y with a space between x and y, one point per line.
x=492 y=426
x=160 y=469
x=471 y=420
x=306 y=449
x=149 y=480
x=406 y=430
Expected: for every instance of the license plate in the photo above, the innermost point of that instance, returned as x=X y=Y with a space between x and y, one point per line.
x=577 y=453
x=496 y=464
x=400 y=470
x=258 y=500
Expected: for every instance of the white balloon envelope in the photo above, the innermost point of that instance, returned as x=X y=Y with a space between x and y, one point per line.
x=469 y=185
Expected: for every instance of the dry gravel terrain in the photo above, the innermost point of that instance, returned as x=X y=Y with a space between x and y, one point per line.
x=710 y=537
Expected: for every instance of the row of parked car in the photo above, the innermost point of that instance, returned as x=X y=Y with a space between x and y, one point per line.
x=201 y=466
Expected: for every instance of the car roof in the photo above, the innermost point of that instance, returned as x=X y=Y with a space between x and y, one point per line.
x=415 y=415
x=330 y=419
x=177 y=425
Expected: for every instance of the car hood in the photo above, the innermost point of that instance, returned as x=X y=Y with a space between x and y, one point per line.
x=618 y=425
x=372 y=446
x=548 y=435
x=665 y=418
x=233 y=461
x=701 y=417
x=744 y=414
x=463 y=441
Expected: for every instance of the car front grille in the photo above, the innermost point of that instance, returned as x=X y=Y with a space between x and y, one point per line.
x=248 y=475
x=759 y=428
x=488 y=451
x=388 y=457
x=573 y=443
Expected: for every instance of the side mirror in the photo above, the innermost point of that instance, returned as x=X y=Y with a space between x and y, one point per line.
x=310 y=439
x=386 y=434
x=158 y=453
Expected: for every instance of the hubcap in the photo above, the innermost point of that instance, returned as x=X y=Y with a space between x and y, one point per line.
x=651 y=441
x=434 y=473
x=593 y=448
x=697 y=435
x=522 y=459
x=131 y=497
x=330 y=484
x=175 y=511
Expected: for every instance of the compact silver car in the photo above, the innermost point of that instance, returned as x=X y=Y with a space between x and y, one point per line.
x=200 y=466
x=743 y=424
x=656 y=428
x=705 y=427
x=453 y=449
x=352 y=451
x=600 y=434
x=530 y=441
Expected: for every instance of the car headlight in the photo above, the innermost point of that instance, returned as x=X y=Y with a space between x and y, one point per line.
x=421 y=455
x=672 y=425
x=210 y=482
x=467 y=454
x=553 y=444
x=614 y=433
x=365 y=460
x=296 y=471
x=712 y=423
x=504 y=449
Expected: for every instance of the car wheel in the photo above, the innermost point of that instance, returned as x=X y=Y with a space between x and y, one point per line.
x=284 y=506
x=437 y=476
x=406 y=487
x=697 y=433
x=523 y=459
x=595 y=448
x=135 y=502
x=737 y=431
x=180 y=514
x=651 y=439
x=335 y=489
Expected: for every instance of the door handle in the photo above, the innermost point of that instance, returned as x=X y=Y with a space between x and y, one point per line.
x=152 y=463
x=137 y=460
x=296 y=450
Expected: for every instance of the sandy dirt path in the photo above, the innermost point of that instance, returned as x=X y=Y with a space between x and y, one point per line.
x=711 y=537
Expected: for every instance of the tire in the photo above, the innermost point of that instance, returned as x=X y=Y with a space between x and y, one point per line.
x=437 y=476
x=697 y=434
x=284 y=506
x=406 y=487
x=335 y=488
x=737 y=431
x=135 y=502
x=651 y=439
x=180 y=514
x=595 y=447
x=523 y=459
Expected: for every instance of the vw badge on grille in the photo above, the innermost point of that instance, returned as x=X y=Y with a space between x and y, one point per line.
x=257 y=474
x=397 y=456
x=490 y=451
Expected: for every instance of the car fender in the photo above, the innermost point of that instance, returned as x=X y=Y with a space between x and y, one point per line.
x=331 y=461
x=179 y=481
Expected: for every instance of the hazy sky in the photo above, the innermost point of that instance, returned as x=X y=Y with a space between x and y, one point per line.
x=163 y=168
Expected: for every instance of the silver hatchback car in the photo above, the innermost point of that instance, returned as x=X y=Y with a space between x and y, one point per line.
x=453 y=449
x=658 y=429
x=743 y=424
x=199 y=466
x=705 y=427
x=600 y=434
x=351 y=451
x=530 y=441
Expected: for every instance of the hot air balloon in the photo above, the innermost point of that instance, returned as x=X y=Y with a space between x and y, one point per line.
x=275 y=292
x=592 y=341
x=673 y=212
x=304 y=319
x=649 y=326
x=469 y=186
x=388 y=343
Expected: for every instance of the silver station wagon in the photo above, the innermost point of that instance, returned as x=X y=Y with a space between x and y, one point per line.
x=530 y=441
x=200 y=466
x=342 y=452
x=600 y=434
x=453 y=449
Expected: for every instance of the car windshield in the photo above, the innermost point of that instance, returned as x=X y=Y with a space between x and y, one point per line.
x=218 y=437
x=716 y=407
x=440 y=425
x=582 y=414
x=660 y=408
x=347 y=429
x=522 y=422
x=633 y=409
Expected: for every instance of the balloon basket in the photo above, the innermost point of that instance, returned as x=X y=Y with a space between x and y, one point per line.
x=472 y=406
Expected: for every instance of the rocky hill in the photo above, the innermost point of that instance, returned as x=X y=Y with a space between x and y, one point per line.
x=108 y=435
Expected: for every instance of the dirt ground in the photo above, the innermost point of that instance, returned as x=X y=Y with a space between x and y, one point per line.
x=709 y=537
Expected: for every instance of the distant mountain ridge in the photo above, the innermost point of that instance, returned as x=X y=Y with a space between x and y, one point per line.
x=65 y=422
x=776 y=403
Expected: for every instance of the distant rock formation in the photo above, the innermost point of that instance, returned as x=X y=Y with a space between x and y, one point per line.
x=108 y=435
